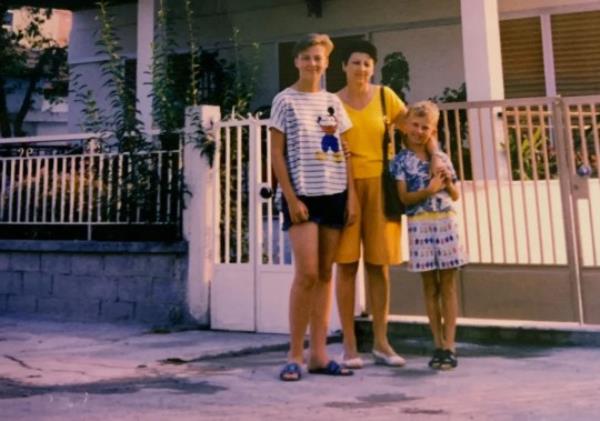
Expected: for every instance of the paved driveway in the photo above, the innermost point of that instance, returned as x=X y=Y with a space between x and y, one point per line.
x=59 y=371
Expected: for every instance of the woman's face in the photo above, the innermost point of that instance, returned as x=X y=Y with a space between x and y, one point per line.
x=359 y=68
x=312 y=63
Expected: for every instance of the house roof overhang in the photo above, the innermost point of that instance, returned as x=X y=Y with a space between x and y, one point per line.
x=63 y=4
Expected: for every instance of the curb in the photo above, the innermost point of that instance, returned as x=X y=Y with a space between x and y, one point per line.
x=251 y=350
x=486 y=332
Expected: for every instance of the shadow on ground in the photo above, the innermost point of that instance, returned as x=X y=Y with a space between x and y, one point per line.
x=422 y=347
x=370 y=401
x=10 y=389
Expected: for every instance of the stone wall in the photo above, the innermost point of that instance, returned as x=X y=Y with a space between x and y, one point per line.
x=95 y=281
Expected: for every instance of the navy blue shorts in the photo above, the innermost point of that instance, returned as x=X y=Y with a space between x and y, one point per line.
x=327 y=210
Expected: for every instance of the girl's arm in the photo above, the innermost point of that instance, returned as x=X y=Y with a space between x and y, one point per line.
x=452 y=190
x=412 y=198
x=433 y=149
x=298 y=211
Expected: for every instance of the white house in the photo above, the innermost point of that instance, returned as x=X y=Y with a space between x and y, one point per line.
x=500 y=48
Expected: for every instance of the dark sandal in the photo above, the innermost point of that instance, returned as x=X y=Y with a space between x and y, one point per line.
x=449 y=360
x=332 y=369
x=436 y=360
x=290 y=372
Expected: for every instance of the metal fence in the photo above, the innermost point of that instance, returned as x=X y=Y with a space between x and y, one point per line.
x=247 y=214
x=518 y=162
x=74 y=180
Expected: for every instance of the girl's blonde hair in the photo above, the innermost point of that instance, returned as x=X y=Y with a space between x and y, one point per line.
x=425 y=109
x=311 y=40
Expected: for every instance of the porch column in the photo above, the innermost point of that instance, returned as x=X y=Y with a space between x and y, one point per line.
x=484 y=80
x=145 y=36
x=198 y=216
x=481 y=49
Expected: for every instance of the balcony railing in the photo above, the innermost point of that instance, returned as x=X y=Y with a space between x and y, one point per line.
x=73 y=180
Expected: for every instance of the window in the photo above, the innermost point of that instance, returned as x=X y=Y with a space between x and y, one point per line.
x=210 y=78
x=335 y=78
x=130 y=74
x=575 y=40
x=576 y=44
x=522 y=58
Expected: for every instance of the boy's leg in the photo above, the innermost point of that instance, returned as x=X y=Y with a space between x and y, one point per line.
x=449 y=306
x=303 y=238
x=379 y=294
x=432 y=304
x=345 y=294
x=322 y=297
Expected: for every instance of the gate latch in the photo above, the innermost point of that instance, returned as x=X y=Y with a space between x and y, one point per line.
x=265 y=191
x=580 y=183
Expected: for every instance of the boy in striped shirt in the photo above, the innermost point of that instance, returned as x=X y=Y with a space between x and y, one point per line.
x=308 y=126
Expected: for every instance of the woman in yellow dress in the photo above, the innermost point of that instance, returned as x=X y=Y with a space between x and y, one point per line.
x=380 y=238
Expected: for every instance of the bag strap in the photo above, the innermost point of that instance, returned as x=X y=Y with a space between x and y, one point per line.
x=386 y=133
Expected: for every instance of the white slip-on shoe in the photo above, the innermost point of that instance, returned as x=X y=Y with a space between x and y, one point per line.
x=394 y=360
x=353 y=363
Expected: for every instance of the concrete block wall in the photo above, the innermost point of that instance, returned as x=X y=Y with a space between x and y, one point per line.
x=95 y=281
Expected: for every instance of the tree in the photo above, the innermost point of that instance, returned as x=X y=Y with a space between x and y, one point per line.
x=36 y=60
x=395 y=73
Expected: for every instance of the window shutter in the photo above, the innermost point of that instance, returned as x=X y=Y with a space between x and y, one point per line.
x=522 y=58
x=576 y=43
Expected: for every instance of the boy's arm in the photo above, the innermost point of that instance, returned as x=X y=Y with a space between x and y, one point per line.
x=298 y=211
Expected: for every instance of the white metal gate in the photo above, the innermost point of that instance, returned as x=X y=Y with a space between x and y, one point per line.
x=530 y=200
x=530 y=204
x=253 y=271
x=582 y=133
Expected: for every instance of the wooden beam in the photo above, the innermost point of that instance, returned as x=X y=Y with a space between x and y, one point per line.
x=62 y=4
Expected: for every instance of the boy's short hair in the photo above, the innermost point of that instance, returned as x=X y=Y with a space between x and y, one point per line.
x=424 y=109
x=359 y=46
x=311 y=40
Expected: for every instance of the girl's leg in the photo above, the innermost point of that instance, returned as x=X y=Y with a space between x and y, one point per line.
x=322 y=297
x=304 y=239
x=432 y=304
x=345 y=294
x=379 y=295
x=449 y=306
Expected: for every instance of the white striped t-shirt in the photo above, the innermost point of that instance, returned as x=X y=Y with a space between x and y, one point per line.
x=312 y=123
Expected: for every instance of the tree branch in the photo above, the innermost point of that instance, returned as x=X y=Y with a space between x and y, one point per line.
x=5 y=129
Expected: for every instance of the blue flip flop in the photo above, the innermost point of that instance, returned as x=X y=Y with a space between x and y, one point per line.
x=332 y=368
x=291 y=372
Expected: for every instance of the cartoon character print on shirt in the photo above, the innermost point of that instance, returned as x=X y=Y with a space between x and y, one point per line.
x=328 y=124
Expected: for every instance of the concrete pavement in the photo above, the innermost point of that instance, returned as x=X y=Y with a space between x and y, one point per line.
x=76 y=371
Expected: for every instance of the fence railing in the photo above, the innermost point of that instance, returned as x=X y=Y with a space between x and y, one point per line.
x=510 y=157
x=74 y=182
